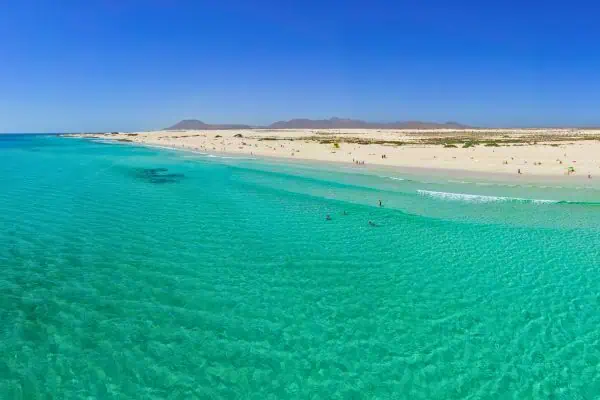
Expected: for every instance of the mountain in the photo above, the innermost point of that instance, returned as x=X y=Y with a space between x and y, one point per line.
x=341 y=123
x=194 y=124
x=332 y=123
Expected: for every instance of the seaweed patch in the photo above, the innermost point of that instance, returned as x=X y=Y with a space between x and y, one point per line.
x=158 y=175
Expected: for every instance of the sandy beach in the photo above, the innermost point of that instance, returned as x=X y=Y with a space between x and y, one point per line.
x=555 y=154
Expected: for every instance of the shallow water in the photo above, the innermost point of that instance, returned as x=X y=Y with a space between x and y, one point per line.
x=130 y=272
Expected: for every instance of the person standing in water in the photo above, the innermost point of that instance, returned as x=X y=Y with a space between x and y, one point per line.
x=380 y=204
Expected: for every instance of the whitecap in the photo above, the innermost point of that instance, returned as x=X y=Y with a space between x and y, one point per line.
x=477 y=198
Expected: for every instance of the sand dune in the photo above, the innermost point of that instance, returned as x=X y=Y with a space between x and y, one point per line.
x=550 y=153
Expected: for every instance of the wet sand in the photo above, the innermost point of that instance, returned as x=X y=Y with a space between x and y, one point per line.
x=566 y=155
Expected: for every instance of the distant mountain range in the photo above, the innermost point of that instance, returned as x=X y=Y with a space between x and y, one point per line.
x=194 y=124
x=332 y=123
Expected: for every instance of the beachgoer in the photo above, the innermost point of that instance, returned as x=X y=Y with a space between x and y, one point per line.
x=328 y=217
x=519 y=171
x=380 y=204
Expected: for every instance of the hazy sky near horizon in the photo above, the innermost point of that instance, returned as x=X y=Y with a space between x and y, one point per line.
x=98 y=65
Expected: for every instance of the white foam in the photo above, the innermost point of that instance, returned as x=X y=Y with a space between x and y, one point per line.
x=477 y=198
x=227 y=157
x=391 y=177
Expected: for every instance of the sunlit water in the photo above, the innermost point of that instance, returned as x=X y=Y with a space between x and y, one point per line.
x=137 y=273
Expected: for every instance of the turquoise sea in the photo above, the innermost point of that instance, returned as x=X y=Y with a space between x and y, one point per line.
x=140 y=273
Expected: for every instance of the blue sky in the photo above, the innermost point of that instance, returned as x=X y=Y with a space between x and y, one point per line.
x=95 y=65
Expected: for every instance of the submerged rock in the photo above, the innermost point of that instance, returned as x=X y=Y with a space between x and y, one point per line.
x=158 y=175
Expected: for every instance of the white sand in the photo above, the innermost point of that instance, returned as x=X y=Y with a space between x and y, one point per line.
x=555 y=151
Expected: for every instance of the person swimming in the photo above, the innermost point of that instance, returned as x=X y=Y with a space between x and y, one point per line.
x=372 y=223
x=328 y=217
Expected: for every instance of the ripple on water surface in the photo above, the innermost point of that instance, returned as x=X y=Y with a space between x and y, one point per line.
x=230 y=283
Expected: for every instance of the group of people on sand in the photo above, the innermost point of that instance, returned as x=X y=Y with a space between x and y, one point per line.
x=570 y=170
x=357 y=162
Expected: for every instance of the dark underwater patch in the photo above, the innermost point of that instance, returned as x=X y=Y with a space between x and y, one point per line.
x=158 y=175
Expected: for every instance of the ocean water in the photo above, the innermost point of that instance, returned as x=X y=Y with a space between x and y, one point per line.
x=140 y=273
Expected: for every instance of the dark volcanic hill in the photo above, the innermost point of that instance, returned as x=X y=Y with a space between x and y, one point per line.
x=332 y=123
x=194 y=124
x=341 y=123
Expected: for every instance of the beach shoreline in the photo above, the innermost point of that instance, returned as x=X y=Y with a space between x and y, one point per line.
x=546 y=160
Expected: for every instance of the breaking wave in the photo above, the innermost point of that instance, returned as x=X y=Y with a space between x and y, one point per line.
x=477 y=198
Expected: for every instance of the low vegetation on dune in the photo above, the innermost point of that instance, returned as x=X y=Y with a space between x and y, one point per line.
x=446 y=140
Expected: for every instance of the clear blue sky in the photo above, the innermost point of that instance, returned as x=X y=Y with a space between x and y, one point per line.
x=95 y=65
